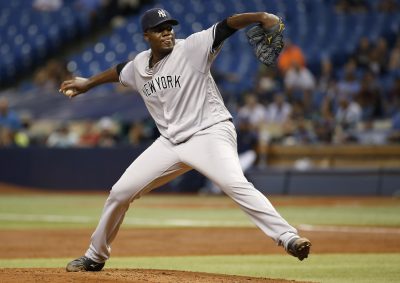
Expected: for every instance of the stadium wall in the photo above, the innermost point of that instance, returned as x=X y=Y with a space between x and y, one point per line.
x=99 y=168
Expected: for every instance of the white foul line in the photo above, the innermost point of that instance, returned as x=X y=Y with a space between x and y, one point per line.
x=189 y=223
x=348 y=229
x=45 y=218
x=128 y=220
x=186 y=222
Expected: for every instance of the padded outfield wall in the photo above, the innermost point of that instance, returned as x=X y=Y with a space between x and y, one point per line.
x=99 y=168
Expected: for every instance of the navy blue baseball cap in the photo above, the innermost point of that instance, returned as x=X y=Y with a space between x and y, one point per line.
x=153 y=17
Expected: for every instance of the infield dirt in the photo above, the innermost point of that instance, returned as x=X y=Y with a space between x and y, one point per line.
x=182 y=241
x=177 y=242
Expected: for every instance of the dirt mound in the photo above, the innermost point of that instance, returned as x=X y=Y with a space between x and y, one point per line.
x=55 y=275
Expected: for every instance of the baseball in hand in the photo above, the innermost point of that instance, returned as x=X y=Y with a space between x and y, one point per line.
x=69 y=92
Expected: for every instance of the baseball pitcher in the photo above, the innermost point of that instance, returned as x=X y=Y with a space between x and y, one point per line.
x=196 y=130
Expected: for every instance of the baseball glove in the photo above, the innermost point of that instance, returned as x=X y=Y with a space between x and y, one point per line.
x=267 y=43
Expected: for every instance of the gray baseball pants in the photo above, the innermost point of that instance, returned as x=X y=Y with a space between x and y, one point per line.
x=213 y=153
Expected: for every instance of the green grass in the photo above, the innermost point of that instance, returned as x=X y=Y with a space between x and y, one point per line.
x=344 y=215
x=363 y=268
x=78 y=211
x=70 y=211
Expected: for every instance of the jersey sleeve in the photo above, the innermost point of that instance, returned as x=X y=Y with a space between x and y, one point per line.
x=127 y=75
x=199 y=50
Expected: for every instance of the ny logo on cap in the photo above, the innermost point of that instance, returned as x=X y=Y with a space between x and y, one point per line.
x=161 y=13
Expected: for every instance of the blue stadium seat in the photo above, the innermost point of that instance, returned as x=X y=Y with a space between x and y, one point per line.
x=35 y=35
x=27 y=36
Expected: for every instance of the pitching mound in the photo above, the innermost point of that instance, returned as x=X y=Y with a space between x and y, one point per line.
x=55 y=275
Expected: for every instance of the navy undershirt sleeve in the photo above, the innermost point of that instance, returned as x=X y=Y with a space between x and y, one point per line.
x=120 y=66
x=222 y=32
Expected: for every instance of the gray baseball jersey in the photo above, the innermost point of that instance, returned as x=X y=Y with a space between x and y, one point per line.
x=179 y=91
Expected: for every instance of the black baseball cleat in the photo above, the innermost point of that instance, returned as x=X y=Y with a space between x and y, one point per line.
x=299 y=247
x=84 y=264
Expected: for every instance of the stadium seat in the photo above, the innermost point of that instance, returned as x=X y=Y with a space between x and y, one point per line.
x=27 y=36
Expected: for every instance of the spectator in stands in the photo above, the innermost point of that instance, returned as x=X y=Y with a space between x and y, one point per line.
x=347 y=116
x=6 y=137
x=379 y=56
x=129 y=5
x=303 y=133
x=108 y=132
x=394 y=58
x=278 y=111
x=326 y=85
x=62 y=137
x=90 y=6
x=327 y=106
x=49 y=77
x=8 y=118
x=369 y=97
x=291 y=54
x=396 y=121
x=392 y=99
x=326 y=78
x=24 y=137
x=362 y=53
x=47 y=5
x=299 y=83
x=98 y=11
x=324 y=124
x=388 y=6
x=299 y=78
x=324 y=128
x=348 y=6
x=267 y=83
x=90 y=135
x=349 y=86
x=10 y=125
x=252 y=110
x=289 y=126
x=136 y=135
x=247 y=141
x=370 y=135
x=394 y=135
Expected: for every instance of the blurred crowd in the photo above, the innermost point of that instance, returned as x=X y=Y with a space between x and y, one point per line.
x=357 y=102
x=94 y=7
x=351 y=6
x=23 y=131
